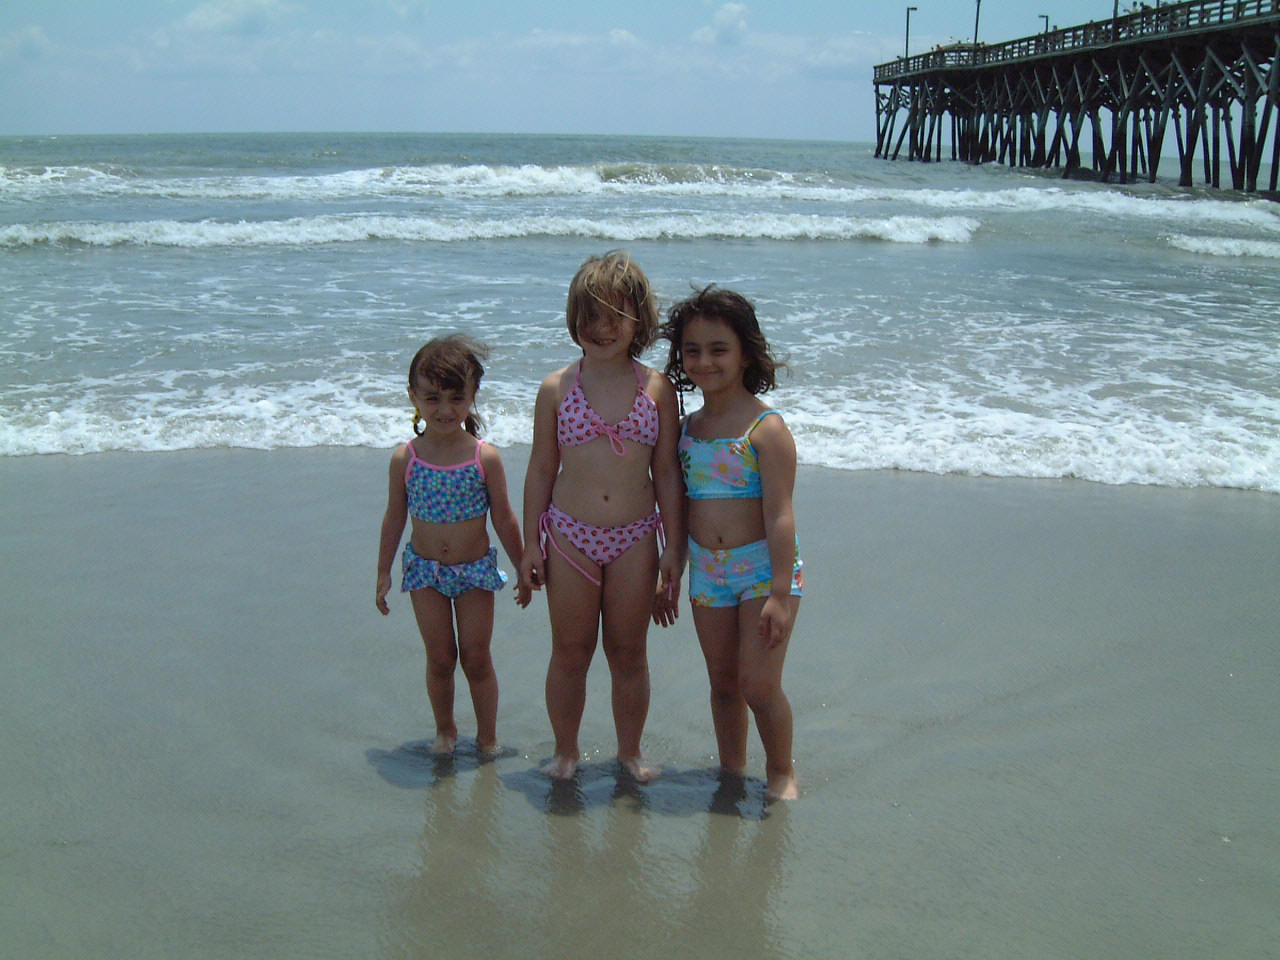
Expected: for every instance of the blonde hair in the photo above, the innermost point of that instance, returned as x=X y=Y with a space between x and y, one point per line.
x=614 y=281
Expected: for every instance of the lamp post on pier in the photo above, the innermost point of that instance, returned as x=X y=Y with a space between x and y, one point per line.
x=976 y=14
x=906 y=46
x=1045 y=18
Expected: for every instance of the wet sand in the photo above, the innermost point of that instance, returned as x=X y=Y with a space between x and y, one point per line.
x=1033 y=718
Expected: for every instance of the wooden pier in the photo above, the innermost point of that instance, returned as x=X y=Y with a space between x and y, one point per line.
x=1209 y=66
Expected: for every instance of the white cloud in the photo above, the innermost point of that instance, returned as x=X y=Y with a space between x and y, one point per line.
x=728 y=26
x=28 y=43
x=538 y=38
x=409 y=9
x=845 y=55
x=625 y=38
x=240 y=17
x=556 y=53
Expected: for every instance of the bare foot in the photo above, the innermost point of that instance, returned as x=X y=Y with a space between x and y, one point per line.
x=782 y=788
x=488 y=751
x=443 y=744
x=640 y=771
x=561 y=767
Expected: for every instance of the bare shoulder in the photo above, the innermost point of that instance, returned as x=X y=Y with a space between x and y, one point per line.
x=557 y=383
x=557 y=377
x=399 y=465
x=400 y=456
x=490 y=456
x=772 y=433
x=656 y=384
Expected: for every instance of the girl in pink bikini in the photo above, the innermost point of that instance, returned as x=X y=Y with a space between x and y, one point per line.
x=448 y=481
x=739 y=465
x=602 y=485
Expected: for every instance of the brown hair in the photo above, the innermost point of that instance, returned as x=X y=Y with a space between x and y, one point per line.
x=452 y=363
x=734 y=311
x=613 y=280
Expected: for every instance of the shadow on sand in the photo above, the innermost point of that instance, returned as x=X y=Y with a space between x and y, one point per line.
x=676 y=793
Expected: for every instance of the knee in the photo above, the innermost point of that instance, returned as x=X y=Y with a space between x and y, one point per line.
x=476 y=664
x=629 y=662
x=570 y=660
x=760 y=692
x=725 y=690
x=441 y=663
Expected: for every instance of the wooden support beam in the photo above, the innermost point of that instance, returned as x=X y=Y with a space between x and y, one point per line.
x=1028 y=103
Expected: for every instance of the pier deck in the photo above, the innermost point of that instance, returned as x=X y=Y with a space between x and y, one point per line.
x=1208 y=66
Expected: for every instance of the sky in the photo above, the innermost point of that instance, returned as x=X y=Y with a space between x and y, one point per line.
x=761 y=68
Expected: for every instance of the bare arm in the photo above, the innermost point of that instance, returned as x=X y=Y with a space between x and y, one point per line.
x=503 y=515
x=539 y=479
x=668 y=488
x=777 y=454
x=393 y=521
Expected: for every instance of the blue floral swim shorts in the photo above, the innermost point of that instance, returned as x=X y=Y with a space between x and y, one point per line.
x=725 y=578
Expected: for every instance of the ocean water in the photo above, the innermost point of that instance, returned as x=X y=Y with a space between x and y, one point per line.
x=267 y=291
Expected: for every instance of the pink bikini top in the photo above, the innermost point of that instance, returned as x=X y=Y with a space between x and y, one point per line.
x=577 y=422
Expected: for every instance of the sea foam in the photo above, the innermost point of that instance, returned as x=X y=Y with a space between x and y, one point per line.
x=361 y=228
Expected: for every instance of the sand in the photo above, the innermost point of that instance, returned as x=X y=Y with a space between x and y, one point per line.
x=1034 y=718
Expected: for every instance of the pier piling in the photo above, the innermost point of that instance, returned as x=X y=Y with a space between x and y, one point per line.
x=1210 y=66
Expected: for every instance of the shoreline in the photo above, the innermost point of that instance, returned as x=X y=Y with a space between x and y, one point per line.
x=515 y=456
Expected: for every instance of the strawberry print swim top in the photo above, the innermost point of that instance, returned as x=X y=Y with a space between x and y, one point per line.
x=723 y=468
x=445 y=494
x=577 y=422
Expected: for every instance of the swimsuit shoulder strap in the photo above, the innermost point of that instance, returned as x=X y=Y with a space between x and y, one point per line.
x=413 y=455
x=756 y=422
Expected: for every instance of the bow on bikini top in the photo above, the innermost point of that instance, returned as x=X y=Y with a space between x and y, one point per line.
x=445 y=494
x=577 y=422
x=722 y=468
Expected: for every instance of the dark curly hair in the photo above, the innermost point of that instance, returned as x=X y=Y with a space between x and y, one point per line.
x=736 y=312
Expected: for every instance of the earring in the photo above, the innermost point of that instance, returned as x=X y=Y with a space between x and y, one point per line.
x=418 y=431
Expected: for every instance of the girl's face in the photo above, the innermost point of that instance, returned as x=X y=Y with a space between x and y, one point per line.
x=609 y=331
x=444 y=409
x=712 y=356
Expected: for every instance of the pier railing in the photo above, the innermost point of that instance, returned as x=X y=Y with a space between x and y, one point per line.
x=1167 y=20
x=1098 y=99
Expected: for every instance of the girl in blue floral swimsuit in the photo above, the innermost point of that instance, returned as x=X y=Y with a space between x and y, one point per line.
x=447 y=481
x=739 y=465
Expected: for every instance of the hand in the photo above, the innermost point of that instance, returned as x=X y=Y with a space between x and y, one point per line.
x=384 y=587
x=666 y=601
x=523 y=594
x=532 y=572
x=775 y=621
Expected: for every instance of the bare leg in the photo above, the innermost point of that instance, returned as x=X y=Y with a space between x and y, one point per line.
x=573 y=603
x=625 y=607
x=718 y=636
x=434 y=613
x=761 y=677
x=474 y=612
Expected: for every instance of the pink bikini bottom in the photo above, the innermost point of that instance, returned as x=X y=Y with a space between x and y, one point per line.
x=602 y=545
